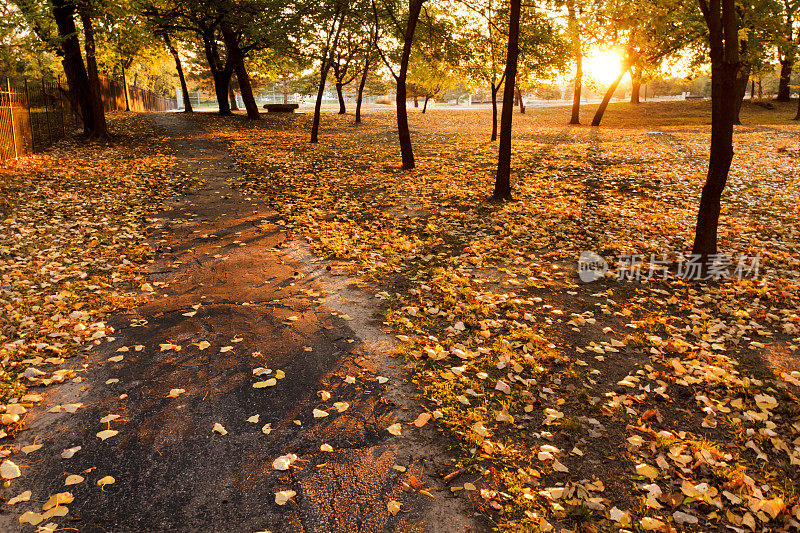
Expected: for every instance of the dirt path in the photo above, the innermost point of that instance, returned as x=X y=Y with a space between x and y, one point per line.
x=225 y=275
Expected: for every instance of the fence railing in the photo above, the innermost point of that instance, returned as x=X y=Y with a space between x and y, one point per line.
x=36 y=113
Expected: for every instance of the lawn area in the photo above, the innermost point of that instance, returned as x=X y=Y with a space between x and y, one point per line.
x=649 y=404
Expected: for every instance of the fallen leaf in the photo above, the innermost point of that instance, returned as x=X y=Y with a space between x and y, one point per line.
x=393 y=507
x=23 y=497
x=395 y=429
x=107 y=434
x=218 y=428
x=284 y=496
x=69 y=452
x=422 y=419
x=30 y=448
x=9 y=470
x=73 y=479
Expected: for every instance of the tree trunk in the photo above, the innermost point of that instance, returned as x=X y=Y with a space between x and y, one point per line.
x=232 y=98
x=598 y=116
x=125 y=88
x=494 y=111
x=578 y=49
x=187 y=102
x=236 y=58
x=740 y=89
x=784 y=91
x=797 y=116
x=340 y=96
x=221 y=75
x=361 y=91
x=323 y=75
x=72 y=61
x=425 y=105
x=502 y=185
x=636 y=85
x=100 y=129
x=724 y=106
x=406 y=150
x=753 y=90
x=521 y=103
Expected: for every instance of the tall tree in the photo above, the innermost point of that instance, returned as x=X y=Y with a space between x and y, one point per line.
x=75 y=71
x=331 y=42
x=86 y=11
x=502 y=185
x=723 y=37
x=187 y=101
x=577 y=52
x=405 y=35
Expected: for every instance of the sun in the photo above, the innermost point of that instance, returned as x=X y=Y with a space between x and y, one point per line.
x=602 y=66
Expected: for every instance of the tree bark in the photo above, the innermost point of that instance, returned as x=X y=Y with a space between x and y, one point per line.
x=636 y=85
x=340 y=96
x=740 y=89
x=125 y=88
x=598 y=116
x=219 y=73
x=406 y=150
x=502 y=185
x=495 y=88
x=232 y=98
x=323 y=75
x=72 y=61
x=361 y=91
x=236 y=58
x=723 y=38
x=797 y=116
x=100 y=129
x=425 y=105
x=520 y=101
x=784 y=91
x=187 y=102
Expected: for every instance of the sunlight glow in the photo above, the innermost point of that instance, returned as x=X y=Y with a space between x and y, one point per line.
x=602 y=66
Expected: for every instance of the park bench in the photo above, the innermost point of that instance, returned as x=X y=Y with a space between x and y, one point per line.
x=281 y=108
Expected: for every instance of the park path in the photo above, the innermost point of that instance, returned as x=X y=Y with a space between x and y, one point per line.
x=226 y=275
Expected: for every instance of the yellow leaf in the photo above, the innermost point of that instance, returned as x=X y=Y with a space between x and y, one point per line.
x=225 y=349
x=319 y=413
x=73 y=479
x=284 y=496
x=58 y=499
x=218 y=428
x=395 y=429
x=8 y=470
x=24 y=497
x=253 y=419
x=202 y=344
x=268 y=383
x=422 y=419
x=30 y=518
x=107 y=434
x=393 y=507
x=174 y=393
x=326 y=448
x=107 y=480
x=30 y=449
x=644 y=469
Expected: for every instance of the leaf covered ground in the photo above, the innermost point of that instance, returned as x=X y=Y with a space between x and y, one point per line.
x=72 y=251
x=658 y=405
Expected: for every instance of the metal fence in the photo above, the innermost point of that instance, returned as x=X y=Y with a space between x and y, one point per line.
x=36 y=113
